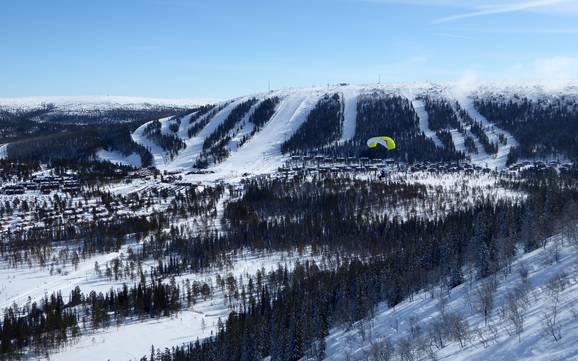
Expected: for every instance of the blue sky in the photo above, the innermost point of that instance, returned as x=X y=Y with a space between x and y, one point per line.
x=220 y=49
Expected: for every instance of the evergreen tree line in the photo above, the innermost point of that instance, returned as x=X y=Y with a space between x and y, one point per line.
x=477 y=130
x=78 y=143
x=50 y=323
x=222 y=131
x=445 y=137
x=384 y=114
x=442 y=119
x=75 y=136
x=215 y=145
x=282 y=215
x=541 y=129
x=290 y=322
x=470 y=144
x=322 y=127
x=201 y=118
x=262 y=114
x=441 y=115
x=170 y=143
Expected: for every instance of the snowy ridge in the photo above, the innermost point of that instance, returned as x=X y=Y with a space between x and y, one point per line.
x=87 y=103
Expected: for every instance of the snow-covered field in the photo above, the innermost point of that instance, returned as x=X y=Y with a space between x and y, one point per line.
x=132 y=340
x=496 y=339
x=18 y=285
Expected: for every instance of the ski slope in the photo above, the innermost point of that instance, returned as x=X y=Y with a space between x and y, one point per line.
x=481 y=158
x=493 y=132
x=262 y=153
x=349 y=97
x=3 y=151
x=259 y=154
x=241 y=129
x=160 y=157
x=419 y=108
x=194 y=145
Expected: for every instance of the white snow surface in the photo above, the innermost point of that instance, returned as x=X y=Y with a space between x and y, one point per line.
x=262 y=153
x=116 y=157
x=350 y=96
x=133 y=339
x=423 y=116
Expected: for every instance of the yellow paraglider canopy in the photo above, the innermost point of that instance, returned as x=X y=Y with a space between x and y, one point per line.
x=387 y=142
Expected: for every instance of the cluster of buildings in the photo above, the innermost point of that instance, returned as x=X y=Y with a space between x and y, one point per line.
x=45 y=184
x=327 y=164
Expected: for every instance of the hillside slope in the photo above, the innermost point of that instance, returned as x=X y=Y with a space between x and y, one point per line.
x=532 y=315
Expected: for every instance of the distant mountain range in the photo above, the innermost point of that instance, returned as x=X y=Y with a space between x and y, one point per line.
x=490 y=124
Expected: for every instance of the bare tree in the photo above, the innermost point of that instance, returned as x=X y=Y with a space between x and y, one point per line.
x=485 y=299
x=515 y=312
x=458 y=328
x=554 y=287
x=414 y=327
x=381 y=351
x=438 y=331
x=406 y=350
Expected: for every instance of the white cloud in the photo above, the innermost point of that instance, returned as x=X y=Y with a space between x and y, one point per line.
x=477 y=8
x=556 y=72
x=466 y=83
x=505 y=7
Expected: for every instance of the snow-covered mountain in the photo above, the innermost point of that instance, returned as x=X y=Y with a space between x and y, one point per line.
x=247 y=149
